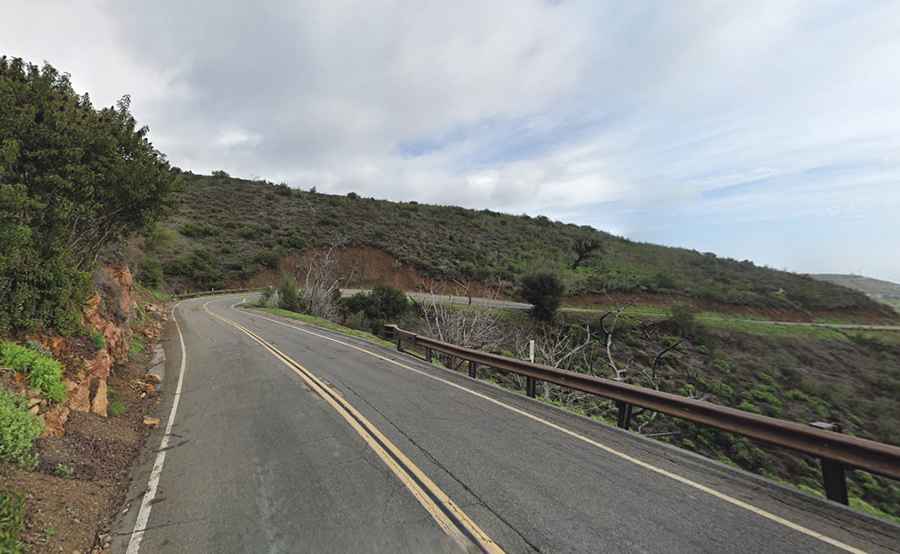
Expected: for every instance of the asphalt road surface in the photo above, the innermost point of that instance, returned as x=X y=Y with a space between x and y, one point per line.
x=288 y=438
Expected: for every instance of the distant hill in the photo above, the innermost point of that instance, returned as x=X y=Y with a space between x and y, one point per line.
x=229 y=231
x=883 y=291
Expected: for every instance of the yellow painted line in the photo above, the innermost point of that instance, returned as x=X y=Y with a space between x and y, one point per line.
x=660 y=471
x=460 y=527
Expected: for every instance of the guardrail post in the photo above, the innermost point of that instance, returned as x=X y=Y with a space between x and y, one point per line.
x=473 y=369
x=531 y=387
x=428 y=355
x=834 y=475
x=834 y=478
x=399 y=342
x=624 y=420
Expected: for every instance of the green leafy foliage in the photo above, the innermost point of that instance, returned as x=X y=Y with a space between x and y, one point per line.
x=98 y=339
x=544 y=291
x=73 y=180
x=63 y=470
x=44 y=373
x=381 y=303
x=12 y=523
x=684 y=316
x=150 y=273
x=373 y=309
x=18 y=429
x=288 y=294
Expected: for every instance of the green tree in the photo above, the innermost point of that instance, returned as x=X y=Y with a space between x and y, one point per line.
x=544 y=291
x=584 y=249
x=73 y=181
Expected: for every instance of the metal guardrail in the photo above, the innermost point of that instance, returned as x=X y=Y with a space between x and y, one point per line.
x=212 y=292
x=836 y=452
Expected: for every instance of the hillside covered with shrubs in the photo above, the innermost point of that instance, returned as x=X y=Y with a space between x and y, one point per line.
x=226 y=230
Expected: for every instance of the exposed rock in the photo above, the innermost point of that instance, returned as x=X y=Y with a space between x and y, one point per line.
x=79 y=395
x=151 y=422
x=152 y=378
x=55 y=421
x=100 y=401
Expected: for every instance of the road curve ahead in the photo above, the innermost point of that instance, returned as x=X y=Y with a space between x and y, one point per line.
x=288 y=438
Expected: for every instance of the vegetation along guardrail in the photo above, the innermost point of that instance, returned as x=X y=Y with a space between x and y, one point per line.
x=836 y=452
x=212 y=292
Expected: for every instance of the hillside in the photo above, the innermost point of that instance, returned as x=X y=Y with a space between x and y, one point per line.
x=877 y=289
x=227 y=231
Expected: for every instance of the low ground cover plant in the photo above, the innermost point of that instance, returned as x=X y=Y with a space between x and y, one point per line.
x=44 y=373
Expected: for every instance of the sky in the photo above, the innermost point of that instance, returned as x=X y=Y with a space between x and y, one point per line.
x=766 y=130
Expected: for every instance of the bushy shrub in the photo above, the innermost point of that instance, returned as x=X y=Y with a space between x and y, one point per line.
x=200 y=266
x=44 y=373
x=198 y=230
x=294 y=241
x=268 y=259
x=381 y=303
x=12 y=523
x=265 y=297
x=18 y=429
x=684 y=316
x=150 y=273
x=371 y=310
x=288 y=295
x=544 y=291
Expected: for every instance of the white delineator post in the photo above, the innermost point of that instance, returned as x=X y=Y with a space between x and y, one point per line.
x=530 y=384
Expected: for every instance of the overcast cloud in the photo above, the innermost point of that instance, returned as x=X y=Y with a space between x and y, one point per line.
x=762 y=130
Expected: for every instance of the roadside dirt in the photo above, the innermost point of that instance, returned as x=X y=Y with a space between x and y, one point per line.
x=82 y=477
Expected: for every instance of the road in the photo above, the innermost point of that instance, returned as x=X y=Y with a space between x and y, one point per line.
x=511 y=305
x=287 y=438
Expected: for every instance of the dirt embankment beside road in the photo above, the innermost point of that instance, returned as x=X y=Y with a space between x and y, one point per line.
x=90 y=441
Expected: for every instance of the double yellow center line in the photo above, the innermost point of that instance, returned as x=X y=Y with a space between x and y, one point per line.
x=449 y=517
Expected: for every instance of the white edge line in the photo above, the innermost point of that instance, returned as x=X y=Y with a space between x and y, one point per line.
x=709 y=490
x=143 y=517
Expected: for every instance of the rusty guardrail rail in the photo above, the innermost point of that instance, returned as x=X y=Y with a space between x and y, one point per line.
x=836 y=452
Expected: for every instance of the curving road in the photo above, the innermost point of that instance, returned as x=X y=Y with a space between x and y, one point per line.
x=288 y=438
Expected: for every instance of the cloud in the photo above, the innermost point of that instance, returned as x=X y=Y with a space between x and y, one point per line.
x=681 y=123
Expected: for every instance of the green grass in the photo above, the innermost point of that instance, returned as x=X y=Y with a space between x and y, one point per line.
x=775 y=330
x=12 y=523
x=116 y=406
x=137 y=346
x=329 y=325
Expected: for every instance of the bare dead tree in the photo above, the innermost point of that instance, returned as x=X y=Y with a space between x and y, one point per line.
x=557 y=347
x=469 y=326
x=619 y=374
x=321 y=284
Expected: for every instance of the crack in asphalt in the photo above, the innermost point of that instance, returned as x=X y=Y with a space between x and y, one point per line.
x=434 y=460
